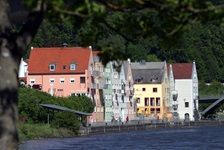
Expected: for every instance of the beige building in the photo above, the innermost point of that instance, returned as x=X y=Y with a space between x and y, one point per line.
x=151 y=89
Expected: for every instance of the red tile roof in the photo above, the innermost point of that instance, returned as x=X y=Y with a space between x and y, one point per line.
x=41 y=58
x=96 y=53
x=182 y=70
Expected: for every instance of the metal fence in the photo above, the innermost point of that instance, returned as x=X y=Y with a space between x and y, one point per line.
x=137 y=120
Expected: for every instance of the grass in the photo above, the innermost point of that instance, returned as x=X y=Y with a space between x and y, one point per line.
x=38 y=131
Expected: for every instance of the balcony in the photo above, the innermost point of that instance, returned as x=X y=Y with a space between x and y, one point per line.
x=174 y=95
x=94 y=73
x=103 y=86
x=94 y=86
x=132 y=92
x=175 y=106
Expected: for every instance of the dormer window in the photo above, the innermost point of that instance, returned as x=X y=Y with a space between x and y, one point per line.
x=52 y=67
x=73 y=66
x=64 y=67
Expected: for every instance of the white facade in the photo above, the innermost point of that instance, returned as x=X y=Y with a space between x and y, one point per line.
x=123 y=111
x=22 y=69
x=195 y=85
x=186 y=89
x=185 y=98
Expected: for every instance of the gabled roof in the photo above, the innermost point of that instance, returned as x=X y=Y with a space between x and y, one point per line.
x=96 y=58
x=125 y=65
x=147 y=76
x=41 y=58
x=147 y=65
x=182 y=70
x=147 y=72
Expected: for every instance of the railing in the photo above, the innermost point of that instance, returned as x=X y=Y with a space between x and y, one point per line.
x=94 y=86
x=95 y=73
x=208 y=97
x=103 y=86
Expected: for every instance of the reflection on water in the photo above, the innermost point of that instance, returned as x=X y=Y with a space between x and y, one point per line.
x=200 y=138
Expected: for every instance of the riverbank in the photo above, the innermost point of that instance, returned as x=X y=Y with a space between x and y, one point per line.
x=145 y=126
x=38 y=131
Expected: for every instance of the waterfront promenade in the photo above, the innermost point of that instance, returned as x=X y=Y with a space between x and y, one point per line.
x=125 y=127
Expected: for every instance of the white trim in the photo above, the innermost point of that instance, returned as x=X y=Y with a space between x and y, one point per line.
x=51 y=80
x=73 y=66
x=32 y=80
x=72 y=80
x=52 y=67
x=62 y=80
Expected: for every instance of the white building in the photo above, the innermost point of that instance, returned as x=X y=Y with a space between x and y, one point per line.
x=22 y=71
x=184 y=84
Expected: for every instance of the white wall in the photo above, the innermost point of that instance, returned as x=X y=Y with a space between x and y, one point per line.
x=185 y=94
x=22 y=69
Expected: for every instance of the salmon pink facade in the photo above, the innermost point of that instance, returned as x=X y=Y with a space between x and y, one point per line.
x=61 y=71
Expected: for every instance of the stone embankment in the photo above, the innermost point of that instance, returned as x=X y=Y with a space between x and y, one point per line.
x=135 y=127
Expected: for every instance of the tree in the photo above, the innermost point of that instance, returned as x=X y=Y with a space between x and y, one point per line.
x=173 y=15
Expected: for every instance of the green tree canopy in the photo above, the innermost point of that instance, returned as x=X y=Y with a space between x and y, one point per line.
x=173 y=16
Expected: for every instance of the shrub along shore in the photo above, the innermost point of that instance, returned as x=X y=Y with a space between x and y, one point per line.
x=38 y=131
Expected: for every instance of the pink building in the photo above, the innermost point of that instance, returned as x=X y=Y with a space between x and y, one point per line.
x=98 y=84
x=61 y=71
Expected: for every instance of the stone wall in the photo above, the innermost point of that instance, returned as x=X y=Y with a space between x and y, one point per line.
x=136 y=127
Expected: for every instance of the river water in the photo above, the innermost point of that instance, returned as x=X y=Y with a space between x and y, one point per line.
x=196 y=138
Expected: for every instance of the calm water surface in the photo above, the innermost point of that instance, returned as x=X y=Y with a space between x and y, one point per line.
x=197 y=138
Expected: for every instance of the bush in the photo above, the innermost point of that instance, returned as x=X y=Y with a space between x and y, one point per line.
x=30 y=109
x=66 y=120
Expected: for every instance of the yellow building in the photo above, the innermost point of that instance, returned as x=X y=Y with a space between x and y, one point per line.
x=149 y=100
x=151 y=89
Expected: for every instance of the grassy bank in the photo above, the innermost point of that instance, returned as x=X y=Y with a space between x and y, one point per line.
x=38 y=131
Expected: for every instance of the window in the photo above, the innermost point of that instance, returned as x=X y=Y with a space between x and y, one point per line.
x=122 y=98
x=137 y=100
x=51 y=80
x=73 y=66
x=72 y=80
x=62 y=80
x=143 y=89
x=157 y=101
x=152 y=110
x=186 y=104
x=152 y=101
x=72 y=94
x=166 y=80
x=52 y=67
x=60 y=90
x=64 y=67
x=154 y=90
x=82 y=80
x=157 y=110
x=32 y=81
x=146 y=101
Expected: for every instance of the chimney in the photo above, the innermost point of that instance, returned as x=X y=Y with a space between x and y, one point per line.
x=90 y=47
